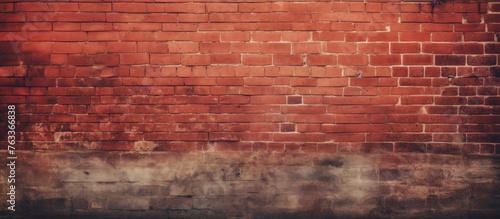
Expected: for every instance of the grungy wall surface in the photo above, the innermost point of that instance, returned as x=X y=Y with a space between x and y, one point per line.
x=250 y=108
x=256 y=185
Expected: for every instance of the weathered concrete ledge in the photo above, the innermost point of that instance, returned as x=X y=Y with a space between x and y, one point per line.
x=253 y=185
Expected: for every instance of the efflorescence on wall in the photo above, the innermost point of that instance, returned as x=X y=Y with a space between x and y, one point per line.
x=252 y=108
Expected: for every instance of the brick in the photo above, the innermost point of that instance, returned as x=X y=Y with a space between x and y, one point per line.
x=437 y=48
x=183 y=47
x=449 y=60
x=307 y=82
x=222 y=7
x=385 y=18
x=352 y=128
x=385 y=59
x=321 y=60
x=405 y=48
x=17 y=71
x=495 y=71
x=193 y=60
x=257 y=59
x=38 y=25
x=473 y=18
x=276 y=48
x=134 y=58
x=373 y=7
x=79 y=17
x=382 y=36
x=153 y=47
x=66 y=26
x=225 y=58
x=298 y=48
x=254 y=7
x=40 y=47
x=136 y=36
x=185 y=8
x=157 y=18
x=94 y=47
x=287 y=59
x=417 y=59
x=327 y=16
x=299 y=137
x=467 y=81
x=287 y=127
x=492 y=48
x=377 y=147
x=58 y=36
x=353 y=59
x=6 y=7
x=446 y=37
x=406 y=27
x=493 y=27
x=390 y=7
x=310 y=6
x=326 y=35
x=73 y=100
x=293 y=17
x=235 y=36
x=364 y=81
x=10 y=47
x=294 y=99
x=341 y=47
x=168 y=59
x=478 y=71
x=303 y=109
x=12 y=59
x=149 y=7
x=354 y=17
x=129 y=7
x=179 y=27
x=121 y=47
x=469 y=48
x=137 y=27
x=295 y=36
x=214 y=47
x=333 y=82
x=95 y=7
x=479 y=37
x=415 y=18
x=192 y=18
x=103 y=36
x=412 y=36
x=491 y=18
x=62 y=47
x=438 y=28
x=216 y=27
x=96 y=27
x=416 y=71
x=415 y=82
x=80 y=60
x=252 y=17
x=356 y=37
x=469 y=27
x=245 y=47
x=481 y=60
x=373 y=48
x=447 y=18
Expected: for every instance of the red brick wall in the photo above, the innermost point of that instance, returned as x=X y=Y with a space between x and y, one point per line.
x=296 y=76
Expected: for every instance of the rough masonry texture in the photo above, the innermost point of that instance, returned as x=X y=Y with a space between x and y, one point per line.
x=252 y=108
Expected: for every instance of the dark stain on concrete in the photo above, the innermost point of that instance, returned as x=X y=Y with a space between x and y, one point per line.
x=334 y=162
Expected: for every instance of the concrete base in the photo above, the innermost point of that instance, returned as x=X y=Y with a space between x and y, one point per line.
x=252 y=185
